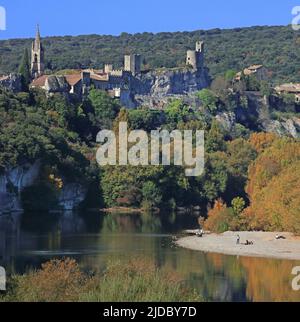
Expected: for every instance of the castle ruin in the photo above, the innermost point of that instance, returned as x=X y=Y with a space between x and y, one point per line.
x=132 y=63
x=127 y=83
x=195 y=58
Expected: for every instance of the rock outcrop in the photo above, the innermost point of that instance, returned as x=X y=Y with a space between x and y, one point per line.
x=258 y=117
x=158 y=86
x=57 y=84
x=71 y=195
x=227 y=120
x=12 y=82
x=13 y=181
x=289 y=127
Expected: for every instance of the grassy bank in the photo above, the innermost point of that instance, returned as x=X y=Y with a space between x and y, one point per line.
x=132 y=281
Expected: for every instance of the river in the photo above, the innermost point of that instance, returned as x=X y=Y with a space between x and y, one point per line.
x=28 y=240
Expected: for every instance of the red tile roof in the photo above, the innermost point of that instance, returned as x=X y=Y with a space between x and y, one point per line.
x=73 y=79
x=40 y=81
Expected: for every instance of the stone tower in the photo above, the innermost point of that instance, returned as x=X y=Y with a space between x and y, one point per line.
x=195 y=58
x=132 y=63
x=37 y=56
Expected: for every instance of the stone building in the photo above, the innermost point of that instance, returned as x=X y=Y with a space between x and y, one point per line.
x=37 y=56
x=259 y=71
x=195 y=58
x=291 y=88
x=12 y=82
x=126 y=83
x=132 y=63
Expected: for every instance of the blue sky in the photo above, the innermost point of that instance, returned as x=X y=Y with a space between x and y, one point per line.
x=73 y=17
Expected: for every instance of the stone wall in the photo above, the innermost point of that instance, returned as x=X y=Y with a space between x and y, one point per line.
x=12 y=82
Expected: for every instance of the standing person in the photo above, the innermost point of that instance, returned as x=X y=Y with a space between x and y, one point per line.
x=238 y=239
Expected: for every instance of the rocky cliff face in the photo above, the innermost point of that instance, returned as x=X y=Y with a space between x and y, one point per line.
x=285 y=126
x=13 y=181
x=71 y=195
x=161 y=84
x=57 y=84
x=12 y=82
x=258 y=117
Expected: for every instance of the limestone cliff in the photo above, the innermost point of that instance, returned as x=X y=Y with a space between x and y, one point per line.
x=14 y=180
x=161 y=84
x=56 y=84
x=71 y=195
x=258 y=117
x=12 y=82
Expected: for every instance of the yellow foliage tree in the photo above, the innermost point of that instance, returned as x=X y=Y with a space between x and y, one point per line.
x=273 y=187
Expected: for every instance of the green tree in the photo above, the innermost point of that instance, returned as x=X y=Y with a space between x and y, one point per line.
x=230 y=75
x=238 y=205
x=105 y=108
x=215 y=138
x=24 y=70
x=151 y=194
x=176 y=111
x=208 y=99
x=144 y=119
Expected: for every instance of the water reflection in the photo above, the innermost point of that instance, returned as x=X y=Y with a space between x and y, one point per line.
x=93 y=239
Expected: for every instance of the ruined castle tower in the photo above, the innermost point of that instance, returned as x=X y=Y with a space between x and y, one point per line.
x=37 y=56
x=132 y=63
x=195 y=58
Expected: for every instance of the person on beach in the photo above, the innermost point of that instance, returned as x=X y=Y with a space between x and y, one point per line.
x=238 y=239
x=200 y=233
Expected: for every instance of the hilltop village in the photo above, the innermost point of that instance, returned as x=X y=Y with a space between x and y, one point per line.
x=135 y=85
x=131 y=84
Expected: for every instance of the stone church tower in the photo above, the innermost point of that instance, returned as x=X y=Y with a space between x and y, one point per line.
x=37 y=56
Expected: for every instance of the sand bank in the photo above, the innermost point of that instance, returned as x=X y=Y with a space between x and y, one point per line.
x=264 y=244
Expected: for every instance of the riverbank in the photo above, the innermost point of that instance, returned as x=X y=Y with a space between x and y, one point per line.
x=264 y=244
x=122 y=210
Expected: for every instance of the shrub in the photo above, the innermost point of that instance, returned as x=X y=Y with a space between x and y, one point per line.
x=130 y=281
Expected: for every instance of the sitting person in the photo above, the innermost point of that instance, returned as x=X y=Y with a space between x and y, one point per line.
x=200 y=233
x=279 y=237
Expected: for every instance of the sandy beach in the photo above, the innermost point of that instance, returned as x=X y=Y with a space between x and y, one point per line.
x=264 y=244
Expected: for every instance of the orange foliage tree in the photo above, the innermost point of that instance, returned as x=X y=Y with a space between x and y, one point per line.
x=261 y=141
x=273 y=187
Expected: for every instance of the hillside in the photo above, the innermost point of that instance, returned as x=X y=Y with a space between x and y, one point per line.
x=276 y=47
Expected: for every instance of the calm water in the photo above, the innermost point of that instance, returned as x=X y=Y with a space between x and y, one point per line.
x=28 y=240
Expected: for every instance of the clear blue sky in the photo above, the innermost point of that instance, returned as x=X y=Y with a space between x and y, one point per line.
x=73 y=17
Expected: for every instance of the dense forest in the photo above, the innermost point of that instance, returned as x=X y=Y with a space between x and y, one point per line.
x=250 y=179
x=275 y=47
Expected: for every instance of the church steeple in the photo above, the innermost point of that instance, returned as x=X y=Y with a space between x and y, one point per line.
x=37 y=56
x=37 y=42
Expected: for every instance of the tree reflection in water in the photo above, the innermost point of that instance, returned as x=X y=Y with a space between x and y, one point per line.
x=94 y=238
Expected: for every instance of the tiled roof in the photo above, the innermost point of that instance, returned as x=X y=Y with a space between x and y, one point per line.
x=4 y=77
x=290 y=88
x=255 y=67
x=40 y=81
x=73 y=79
x=248 y=71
